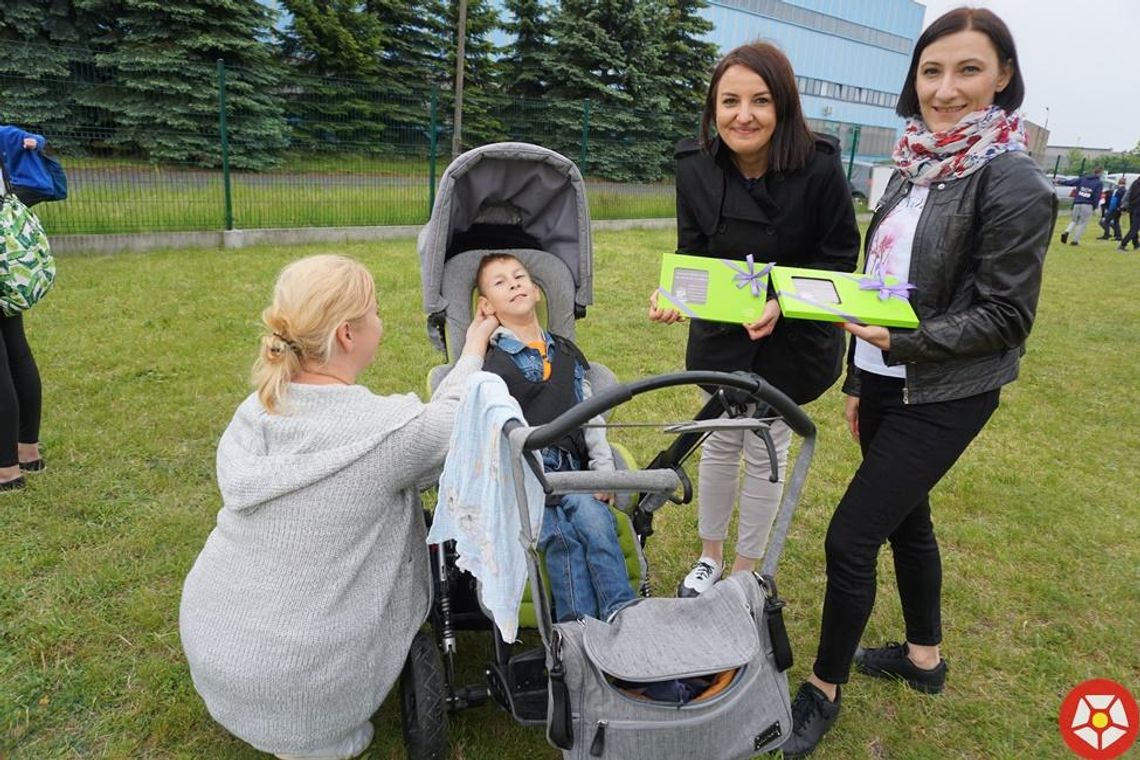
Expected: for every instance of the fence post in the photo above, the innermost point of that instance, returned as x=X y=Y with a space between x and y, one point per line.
x=854 y=145
x=224 y=132
x=433 y=140
x=584 y=155
x=1081 y=171
x=1056 y=166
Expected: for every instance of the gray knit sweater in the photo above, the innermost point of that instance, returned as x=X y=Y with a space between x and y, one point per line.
x=298 y=614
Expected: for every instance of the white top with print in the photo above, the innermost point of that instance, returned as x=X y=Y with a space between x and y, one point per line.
x=889 y=254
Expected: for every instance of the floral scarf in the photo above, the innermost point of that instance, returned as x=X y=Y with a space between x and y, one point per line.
x=925 y=157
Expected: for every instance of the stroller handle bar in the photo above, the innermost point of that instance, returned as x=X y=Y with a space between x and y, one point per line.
x=757 y=387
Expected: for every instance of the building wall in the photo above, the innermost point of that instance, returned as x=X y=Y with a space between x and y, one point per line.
x=1037 y=137
x=1051 y=153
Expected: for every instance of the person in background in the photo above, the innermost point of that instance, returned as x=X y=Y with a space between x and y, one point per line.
x=21 y=397
x=299 y=612
x=1110 y=220
x=1086 y=196
x=763 y=186
x=24 y=160
x=1131 y=202
x=967 y=219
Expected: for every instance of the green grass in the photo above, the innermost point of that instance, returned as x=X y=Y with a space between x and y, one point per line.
x=144 y=359
x=156 y=199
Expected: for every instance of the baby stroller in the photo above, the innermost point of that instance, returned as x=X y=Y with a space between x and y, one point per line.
x=531 y=202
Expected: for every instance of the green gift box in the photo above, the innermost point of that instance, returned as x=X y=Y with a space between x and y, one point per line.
x=829 y=296
x=719 y=290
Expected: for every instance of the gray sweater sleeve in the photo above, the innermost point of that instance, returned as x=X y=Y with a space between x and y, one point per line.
x=423 y=441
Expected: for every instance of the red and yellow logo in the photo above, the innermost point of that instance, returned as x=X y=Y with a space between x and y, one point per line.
x=1099 y=719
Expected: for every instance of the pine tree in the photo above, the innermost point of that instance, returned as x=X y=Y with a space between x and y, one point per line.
x=41 y=43
x=527 y=58
x=338 y=101
x=413 y=64
x=160 y=60
x=687 y=63
x=610 y=52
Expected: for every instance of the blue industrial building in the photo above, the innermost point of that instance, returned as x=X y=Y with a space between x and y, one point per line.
x=850 y=58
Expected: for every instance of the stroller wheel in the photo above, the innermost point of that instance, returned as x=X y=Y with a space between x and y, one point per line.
x=423 y=701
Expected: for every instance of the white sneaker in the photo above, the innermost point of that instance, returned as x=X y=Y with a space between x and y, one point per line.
x=701 y=578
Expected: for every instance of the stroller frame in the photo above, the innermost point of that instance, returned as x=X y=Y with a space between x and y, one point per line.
x=529 y=684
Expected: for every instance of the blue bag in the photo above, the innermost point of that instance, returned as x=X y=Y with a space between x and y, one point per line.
x=53 y=170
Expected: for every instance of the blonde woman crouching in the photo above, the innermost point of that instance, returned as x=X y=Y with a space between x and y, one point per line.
x=298 y=614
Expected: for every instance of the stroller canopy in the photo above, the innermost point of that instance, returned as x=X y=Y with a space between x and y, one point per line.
x=528 y=186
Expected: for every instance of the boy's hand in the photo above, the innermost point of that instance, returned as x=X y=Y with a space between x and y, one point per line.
x=30 y=143
x=605 y=498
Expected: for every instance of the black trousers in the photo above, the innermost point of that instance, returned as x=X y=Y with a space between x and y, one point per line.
x=906 y=451
x=20 y=391
x=1133 y=229
x=1110 y=223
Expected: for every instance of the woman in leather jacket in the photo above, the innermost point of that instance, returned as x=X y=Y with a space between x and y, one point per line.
x=966 y=219
x=765 y=186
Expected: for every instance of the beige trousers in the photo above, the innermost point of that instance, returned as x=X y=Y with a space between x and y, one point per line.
x=720 y=481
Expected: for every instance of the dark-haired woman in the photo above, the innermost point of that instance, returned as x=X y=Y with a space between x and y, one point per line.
x=764 y=186
x=967 y=219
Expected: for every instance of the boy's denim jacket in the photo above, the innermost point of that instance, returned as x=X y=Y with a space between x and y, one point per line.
x=529 y=360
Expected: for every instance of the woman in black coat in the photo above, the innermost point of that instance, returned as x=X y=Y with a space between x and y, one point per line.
x=765 y=186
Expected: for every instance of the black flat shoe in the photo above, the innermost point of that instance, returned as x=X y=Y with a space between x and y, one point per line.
x=891 y=661
x=36 y=465
x=813 y=715
x=14 y=485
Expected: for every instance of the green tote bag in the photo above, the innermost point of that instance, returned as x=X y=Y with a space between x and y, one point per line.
x=27 y=269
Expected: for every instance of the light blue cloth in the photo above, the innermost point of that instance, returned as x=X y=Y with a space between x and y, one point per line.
x=477 y=505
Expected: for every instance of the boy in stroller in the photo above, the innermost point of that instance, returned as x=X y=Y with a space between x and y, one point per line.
x=546 y=375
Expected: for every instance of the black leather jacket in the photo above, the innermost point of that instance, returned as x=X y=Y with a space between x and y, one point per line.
x=978 y=254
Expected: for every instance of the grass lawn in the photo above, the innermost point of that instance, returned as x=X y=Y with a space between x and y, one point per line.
x=124 y=196
x=145 y=357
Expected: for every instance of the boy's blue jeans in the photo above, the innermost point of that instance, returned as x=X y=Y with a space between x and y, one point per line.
x=583 y=558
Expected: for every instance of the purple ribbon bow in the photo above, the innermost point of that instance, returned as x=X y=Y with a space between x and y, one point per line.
x=751 y=277
x=898 y=290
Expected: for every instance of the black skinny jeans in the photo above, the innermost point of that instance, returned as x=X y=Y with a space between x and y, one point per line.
x=20 y=391
x=906 y=451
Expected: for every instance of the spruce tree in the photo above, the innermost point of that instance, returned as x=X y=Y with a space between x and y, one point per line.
x=687 y=63
x=413 y=64
x=41 y=49
x=610 y=52
x=331 y=52
x=163 y=85
x=526 y=65
x=527 y=59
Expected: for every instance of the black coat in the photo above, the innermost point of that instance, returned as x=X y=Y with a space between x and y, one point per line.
x=804 y=219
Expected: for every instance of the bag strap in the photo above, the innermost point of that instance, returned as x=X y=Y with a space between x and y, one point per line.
x=560 y=732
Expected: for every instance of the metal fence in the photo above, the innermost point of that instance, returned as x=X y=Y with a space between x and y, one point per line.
x=239 y=149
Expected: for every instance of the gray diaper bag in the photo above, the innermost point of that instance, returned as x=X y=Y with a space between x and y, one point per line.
x=736 y=625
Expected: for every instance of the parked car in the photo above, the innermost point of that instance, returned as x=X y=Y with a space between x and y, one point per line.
x=860 y=180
